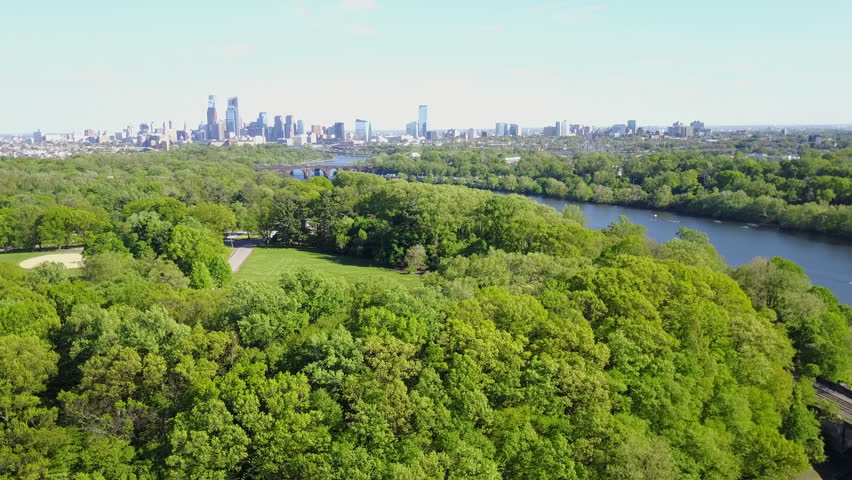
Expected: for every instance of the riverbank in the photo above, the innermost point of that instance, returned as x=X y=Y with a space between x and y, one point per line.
x=827 y=259
x=831 y=219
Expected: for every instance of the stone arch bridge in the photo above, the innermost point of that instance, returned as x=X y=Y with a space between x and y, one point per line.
x=319 y=169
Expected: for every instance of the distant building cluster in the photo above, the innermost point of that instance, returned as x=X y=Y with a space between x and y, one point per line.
x=284 y=129
x=694 y=129
x=289 y=130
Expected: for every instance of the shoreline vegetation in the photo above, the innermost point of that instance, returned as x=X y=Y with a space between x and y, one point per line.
x=528 y=346
x=810 y=194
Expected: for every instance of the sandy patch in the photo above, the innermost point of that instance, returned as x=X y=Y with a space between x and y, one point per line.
x=70 y=260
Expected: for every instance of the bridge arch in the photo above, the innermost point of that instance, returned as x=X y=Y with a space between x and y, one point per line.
x=299 y=173
x=306 y=171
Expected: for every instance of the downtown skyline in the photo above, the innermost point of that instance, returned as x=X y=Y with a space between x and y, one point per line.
x=474 y=63
x=223 y=109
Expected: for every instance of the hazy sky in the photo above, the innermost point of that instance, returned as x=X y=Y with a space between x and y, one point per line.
x=69 y=65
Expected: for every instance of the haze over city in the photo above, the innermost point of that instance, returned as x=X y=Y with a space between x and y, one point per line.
x=475 y=63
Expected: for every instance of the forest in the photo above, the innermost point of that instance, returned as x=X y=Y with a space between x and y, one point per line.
x=533 y=348
x=811 y=193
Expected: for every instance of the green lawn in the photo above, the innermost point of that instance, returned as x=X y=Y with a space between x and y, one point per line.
x=266 y=264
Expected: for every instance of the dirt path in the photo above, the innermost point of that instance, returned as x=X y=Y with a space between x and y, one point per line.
x=70 y=260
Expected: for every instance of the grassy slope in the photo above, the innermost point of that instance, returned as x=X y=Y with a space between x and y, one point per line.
x=267 y=264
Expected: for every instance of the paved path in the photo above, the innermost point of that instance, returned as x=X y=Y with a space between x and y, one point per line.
x=242 y=250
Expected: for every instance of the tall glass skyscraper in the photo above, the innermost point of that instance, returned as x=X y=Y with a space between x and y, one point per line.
x=211 y=110
x=212 y=119
x=289 y=126
x=423 y=119
x=278 y=128
x=362 y=130
x=232 y=116
x=339 y=132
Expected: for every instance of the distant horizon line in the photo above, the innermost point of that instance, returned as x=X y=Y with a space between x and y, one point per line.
x=375 y=129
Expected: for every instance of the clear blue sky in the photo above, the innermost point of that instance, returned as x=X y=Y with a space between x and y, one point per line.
x=69 y=65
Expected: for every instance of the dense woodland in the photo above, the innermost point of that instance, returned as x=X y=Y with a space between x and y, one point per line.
x=813 y=193
x=536 y=348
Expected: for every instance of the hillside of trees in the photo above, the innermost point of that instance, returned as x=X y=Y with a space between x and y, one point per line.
x=812 y=193
x=536 y=348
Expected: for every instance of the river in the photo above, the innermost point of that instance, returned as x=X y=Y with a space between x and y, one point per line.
x=827 y=260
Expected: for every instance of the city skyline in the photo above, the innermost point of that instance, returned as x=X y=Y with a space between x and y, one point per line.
x=295 y=126
x=526 y=62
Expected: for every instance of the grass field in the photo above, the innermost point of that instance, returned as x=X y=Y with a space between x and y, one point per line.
x=267 y=264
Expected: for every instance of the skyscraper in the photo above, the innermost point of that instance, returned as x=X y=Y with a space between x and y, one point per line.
x=232 y=117
x=412 y=129
x=362 y=130
x=300 y=127
x=212 y=119
x=423 y=119
x=211 y=110
x=262 y=124
x=500 y=130
x=514 y=130
x=289 y=127
x=340 y=132
x=278 y=128
x=631 y=127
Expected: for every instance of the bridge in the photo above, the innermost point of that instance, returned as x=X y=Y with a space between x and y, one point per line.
x=838 y=435
x=318 y=169
x=838 y=395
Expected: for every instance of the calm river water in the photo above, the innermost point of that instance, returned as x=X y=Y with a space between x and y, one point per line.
x=827 y=260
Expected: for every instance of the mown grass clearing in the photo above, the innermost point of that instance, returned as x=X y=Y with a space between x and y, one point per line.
x=266 y=264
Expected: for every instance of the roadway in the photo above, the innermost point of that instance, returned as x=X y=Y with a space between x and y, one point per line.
x=242 y=250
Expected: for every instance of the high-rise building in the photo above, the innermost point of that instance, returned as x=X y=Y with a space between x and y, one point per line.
x=232 y=117
x=618 y=130
x=278 y=128
x=423 y=119
x=300 y=127
x=514 y=130
x=289 y=127
x=678 y=129
x=501 y=130
x=558 y=129
x=340 y=132
x=362 y=130
x=211 y=110
x=412 y=129
x=631 y=127
x=316 y=130
x=262 y=125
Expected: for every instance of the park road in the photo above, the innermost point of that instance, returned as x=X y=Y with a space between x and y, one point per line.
x=242 y=250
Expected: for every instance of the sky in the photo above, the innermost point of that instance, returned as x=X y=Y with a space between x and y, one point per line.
x=71 y=65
